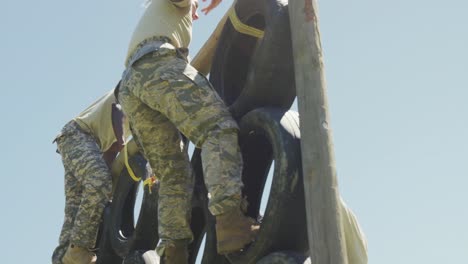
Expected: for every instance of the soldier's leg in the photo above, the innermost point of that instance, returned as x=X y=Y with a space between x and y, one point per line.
x=170 y=86
x=162 y=146
x=191 y=103
x=72 y=203
x=222 y=167
x=91 y=171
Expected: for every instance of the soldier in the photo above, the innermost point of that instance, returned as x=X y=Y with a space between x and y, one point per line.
x=161 y=94
x=88 y=144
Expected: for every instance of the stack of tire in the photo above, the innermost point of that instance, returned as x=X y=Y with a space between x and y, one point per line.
x=121 y=239
x=255 y=78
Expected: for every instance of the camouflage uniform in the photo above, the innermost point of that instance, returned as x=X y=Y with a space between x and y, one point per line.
x=161 y=94
x=88 y=187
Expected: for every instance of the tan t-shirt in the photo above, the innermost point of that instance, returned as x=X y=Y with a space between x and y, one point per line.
x=97 y=120
x=172 y=19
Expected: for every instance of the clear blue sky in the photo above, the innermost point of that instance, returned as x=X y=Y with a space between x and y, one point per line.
x=397 y=87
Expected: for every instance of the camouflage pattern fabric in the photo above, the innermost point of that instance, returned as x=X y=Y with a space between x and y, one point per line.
x=88 y=187
x=161 y=95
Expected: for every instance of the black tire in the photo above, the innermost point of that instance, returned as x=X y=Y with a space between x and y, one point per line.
x=129 y=242
x=284 y=257
x=123 y=234
x=202 y=218
x=265 y=135
x=248 y=72
x=105 y=253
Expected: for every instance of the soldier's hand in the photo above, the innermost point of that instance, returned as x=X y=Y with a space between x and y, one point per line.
x=213 y=4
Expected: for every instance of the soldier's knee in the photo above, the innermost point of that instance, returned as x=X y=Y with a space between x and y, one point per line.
x=221 y=134
x=225 y=126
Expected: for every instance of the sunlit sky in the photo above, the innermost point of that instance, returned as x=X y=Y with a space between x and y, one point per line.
x=397 y=86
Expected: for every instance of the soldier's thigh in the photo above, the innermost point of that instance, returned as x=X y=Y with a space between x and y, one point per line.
x=194 y=106
x=159 y=138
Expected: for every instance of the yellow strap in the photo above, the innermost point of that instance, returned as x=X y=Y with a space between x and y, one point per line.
x=150 y=182
x=129 y=169
x=243 y=28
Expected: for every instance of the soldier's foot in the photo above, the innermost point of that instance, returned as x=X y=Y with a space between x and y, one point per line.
x=78 y=255
x=234 y=231
x=175 y=252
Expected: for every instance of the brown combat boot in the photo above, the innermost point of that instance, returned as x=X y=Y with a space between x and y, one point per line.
x=176 y=253
x=78 y=255
x=234 y=230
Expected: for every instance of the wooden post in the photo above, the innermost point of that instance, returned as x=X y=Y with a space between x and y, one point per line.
x=325 y=232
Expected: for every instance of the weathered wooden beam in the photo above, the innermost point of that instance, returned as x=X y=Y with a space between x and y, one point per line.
x=325 y=232
x=202 y=61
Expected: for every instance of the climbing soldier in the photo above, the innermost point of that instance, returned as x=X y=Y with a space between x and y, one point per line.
x=88 y=144
x=162 y=94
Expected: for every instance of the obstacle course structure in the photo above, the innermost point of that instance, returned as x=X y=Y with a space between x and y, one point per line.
x=252 y=69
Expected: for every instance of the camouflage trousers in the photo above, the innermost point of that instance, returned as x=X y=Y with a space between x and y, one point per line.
x=88 y=187
x=161 y=94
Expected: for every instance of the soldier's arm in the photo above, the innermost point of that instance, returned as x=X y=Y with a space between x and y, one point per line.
x=118 y=119
x=213 y=4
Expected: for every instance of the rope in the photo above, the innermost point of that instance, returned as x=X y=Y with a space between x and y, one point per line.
x=129 y=169
x=150 y=182
x=244 y=28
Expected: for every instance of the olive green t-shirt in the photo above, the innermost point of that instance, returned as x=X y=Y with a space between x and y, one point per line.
x=97 y=120
x=169 y=18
